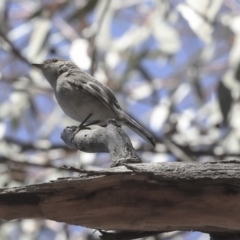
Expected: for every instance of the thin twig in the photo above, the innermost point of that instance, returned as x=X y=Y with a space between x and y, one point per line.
x=125 y=235
x=92 y=40
x=14 y=49
x=93 y=172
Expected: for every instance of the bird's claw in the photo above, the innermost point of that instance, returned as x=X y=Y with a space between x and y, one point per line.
x=83 y=126
x=78 y=129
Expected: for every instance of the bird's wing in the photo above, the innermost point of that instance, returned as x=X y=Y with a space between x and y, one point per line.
x=86 y=82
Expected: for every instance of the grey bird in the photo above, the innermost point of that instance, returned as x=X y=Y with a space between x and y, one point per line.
x=80 y=96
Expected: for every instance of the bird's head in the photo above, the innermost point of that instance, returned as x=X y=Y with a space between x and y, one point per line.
x=53 y=68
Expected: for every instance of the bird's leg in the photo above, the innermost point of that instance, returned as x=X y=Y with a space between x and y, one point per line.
x=82 y=125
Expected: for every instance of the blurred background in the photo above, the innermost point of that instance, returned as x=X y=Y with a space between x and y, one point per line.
x=173 y=65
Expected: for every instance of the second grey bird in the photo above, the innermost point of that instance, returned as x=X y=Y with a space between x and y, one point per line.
x=80 y=95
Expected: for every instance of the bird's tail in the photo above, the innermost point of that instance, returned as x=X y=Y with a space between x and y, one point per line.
x=137 y=128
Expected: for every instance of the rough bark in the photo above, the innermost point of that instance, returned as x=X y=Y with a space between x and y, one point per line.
x=140 y=197
x=110 y=139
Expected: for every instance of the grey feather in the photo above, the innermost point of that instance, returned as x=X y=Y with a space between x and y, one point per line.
x=79 y=94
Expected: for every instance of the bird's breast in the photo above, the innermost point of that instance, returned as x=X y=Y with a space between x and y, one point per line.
x=78 y=104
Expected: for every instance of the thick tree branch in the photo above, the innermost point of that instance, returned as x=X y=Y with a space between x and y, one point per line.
x=138 y=197
x=110 y=139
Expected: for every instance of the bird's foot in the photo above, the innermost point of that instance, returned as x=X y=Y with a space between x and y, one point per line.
x=83 y=126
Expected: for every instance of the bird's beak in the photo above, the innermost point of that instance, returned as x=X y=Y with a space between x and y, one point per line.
x=40 y=66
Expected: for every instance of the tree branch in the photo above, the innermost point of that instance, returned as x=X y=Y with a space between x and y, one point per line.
x=136 y=197
x=110 y=139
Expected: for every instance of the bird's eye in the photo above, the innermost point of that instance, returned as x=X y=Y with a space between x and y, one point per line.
x=54 y=60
